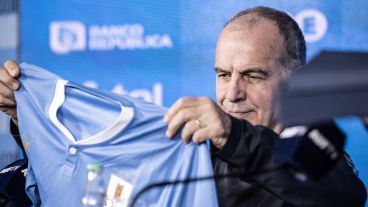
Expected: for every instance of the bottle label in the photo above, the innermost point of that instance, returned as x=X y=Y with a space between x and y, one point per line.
x=118 y=191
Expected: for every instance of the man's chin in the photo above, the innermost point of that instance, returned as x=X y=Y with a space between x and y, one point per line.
x=248 y=116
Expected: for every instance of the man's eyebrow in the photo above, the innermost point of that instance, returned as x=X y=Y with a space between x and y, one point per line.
x=257 y=71
x=260 y=71
x=220 y=70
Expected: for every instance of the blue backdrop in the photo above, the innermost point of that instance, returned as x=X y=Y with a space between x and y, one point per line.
x=162 y=50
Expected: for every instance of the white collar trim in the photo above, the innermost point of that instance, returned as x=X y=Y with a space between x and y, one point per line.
x=124 y=118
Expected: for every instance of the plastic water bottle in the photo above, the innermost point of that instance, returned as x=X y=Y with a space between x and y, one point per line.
x=94 y=194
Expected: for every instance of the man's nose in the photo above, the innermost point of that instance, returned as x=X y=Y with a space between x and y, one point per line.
x=236 y=90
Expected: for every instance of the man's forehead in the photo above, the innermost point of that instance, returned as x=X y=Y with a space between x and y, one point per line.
x=262 y=43
x=259 y=27
x=249 y=48
x=250 y=21
x=246 y=22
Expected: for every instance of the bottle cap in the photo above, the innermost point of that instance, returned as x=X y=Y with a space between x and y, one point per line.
x=95 y=166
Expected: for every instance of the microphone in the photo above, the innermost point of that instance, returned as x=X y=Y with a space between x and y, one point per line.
x=309 y=152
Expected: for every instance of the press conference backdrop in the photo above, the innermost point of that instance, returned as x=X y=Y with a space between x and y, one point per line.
x=8 y=46
x=162 y=50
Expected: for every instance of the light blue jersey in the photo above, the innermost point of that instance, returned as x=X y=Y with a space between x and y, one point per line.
x=65 y=126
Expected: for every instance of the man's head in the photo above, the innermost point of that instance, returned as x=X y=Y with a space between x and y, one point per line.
x=255 y=51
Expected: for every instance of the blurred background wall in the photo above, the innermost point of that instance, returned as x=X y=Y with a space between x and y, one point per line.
x=157 y=50
x=8 y=50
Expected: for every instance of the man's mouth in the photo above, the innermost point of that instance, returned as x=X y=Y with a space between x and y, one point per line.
x=240 y=114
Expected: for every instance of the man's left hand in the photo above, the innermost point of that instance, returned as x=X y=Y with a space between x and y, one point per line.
x=201 y=120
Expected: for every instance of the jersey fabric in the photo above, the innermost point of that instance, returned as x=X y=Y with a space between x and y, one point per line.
x=65 y=126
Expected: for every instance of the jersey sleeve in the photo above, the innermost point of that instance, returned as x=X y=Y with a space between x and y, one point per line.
x=31 y=187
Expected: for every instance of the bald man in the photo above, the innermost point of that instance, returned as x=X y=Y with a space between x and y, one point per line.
x=256 y=50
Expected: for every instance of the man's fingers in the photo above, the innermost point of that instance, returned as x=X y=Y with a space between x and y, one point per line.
x=5 y=91
x=196 y=115
x=5 y=102
x=189 y=129
x=10 y=111
x=179 y=105
x=12 y=68
x=180 y=118
x=218 y=131
x=201 y=135
x=8 y=80
x=204 y=134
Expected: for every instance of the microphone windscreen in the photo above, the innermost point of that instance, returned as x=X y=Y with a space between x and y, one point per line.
x=312 y=150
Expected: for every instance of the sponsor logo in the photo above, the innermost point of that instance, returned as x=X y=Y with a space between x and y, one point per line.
x=67 y=36
x=126 y=37
x=313 y=23
x=154 y=96
x=72 y=36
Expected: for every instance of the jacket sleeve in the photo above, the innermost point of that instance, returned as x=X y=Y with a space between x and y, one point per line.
x=250 y=148
x=16 y=135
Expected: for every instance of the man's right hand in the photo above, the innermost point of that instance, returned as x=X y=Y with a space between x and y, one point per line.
x=8 y=84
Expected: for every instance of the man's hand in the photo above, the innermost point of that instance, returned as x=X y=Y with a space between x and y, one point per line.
x=201 y=120
x=365 y=119
x=8 y=84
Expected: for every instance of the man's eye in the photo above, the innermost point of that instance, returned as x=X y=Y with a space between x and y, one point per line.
x=223 y=75
x=254 y=78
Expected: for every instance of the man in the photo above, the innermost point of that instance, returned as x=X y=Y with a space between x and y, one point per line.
x=255 y=52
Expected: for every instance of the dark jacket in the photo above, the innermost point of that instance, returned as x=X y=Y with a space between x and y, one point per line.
x=250 y=148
